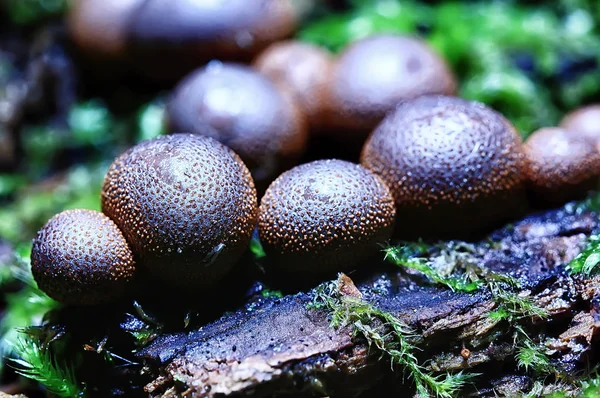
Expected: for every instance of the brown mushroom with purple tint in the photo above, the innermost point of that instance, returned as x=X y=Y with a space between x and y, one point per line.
x=454 y=166
x=584 y=121
x=244 y=110
x=303 y=68
x=186 y=204
x=562 y=165
x=101 y=28
x=80 y=257
x=371 y=76
x=324 y=216
x=168 y=38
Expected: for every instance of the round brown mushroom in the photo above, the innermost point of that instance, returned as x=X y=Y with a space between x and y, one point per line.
x=185 y=203
x=454 y=166
x=584 y=121
x=80 y=257
x=371 y=76
x=301 y=67
x=168 y=38
x=100 y=28
x=324 y=216
x=562 y=165
x=244 y=110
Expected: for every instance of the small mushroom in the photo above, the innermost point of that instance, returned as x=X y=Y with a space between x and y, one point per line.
x=371 y=76
x=301 y=67
x=562 y=165
x=101 y=28
x=186 y=204
x=454 y=166
x=244 y=110
x=584 y=121
x=324 y=216
x=80 y=257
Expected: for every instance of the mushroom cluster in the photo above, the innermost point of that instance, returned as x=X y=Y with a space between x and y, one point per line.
x=264 y=113
x=182 y=208
x=244 y=110
x=165 y=38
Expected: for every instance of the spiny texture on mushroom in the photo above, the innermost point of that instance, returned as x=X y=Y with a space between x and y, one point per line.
x=584 y=121
x=81 y=257
x=453 y=166
x=301 y=67
x=186 y=204
x=562 y=165
x=324 y=216
x=244 y=110
x=372 y=75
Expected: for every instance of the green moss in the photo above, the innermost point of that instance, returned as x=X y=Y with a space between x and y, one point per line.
x=256 y=248
x=25 y=307
x=35 y=361
x=150 y=121
x=391 y=337
x=30 y=12
x=32 y=207
x=268 y=293
x=586 y=261
x=398 y=256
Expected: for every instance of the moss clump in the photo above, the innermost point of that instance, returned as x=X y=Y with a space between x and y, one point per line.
x=384 y=331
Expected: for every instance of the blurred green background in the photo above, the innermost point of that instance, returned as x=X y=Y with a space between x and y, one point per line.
x=533 y=62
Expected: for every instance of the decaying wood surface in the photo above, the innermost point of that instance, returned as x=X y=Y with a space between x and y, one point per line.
x=279 y=347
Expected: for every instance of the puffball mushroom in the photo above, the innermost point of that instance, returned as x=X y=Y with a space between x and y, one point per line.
x=562 y=165
x=80 y=257
x=101 y=28
x=167 y=38
x=186 y=204
x=244 y=110
x=372 y=75
x=324 y=216
x=303 y=68
x=454 y=166
x=584 y=121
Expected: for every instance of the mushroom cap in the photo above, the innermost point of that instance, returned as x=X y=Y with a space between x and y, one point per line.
x=80 y=257
x=562 y=165
x=324 y=216
x=244 y=110
x=454 y=166
x=584 y=121
x=101 y=28
x=223 y=26
x=197 y=31
x=165 y=39
x=301 y=67
x=185 y=203
x=371 y=76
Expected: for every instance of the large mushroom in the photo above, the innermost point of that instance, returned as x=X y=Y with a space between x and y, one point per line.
x=186 y=204
x=453 y=166
x=371 y=76
x=324 y=216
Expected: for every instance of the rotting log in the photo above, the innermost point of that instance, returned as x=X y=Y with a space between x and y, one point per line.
x=281 y=346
